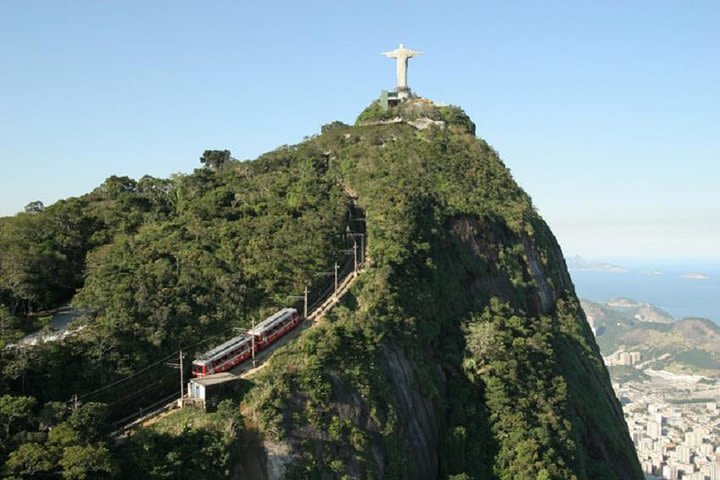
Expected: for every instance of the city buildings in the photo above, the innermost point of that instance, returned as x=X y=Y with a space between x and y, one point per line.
x=674 y=423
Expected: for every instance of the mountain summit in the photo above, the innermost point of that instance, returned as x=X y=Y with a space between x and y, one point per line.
x=463 y=351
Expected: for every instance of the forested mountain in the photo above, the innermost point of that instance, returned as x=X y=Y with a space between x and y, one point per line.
x=461 y=351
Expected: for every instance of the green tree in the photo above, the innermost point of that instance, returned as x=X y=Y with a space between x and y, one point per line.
x=87 y=461
x=34 y=207
x=52 y=414
x=88 y=420
x=28 y=262
x=215 y=159
x=31 y=460
x=15 y=413
x=63 y=436
x=9 y=330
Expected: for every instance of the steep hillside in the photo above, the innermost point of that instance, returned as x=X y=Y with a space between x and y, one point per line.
x=461 y=352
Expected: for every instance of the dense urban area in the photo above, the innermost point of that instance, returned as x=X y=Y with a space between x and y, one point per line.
x=670 y=395
x=674 y=422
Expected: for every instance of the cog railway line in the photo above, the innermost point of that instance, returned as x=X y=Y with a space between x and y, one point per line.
x=153 y=391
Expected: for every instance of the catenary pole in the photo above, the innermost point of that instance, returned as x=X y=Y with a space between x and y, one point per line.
x=336 y=277
x=182 y=379
x=252 y=340
x=305 y=295
x=355 y=250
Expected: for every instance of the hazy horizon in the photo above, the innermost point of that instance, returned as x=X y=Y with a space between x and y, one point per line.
x=665 y=288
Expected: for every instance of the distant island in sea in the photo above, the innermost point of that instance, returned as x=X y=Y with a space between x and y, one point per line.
x=578 y=263
x=695 y=276
x=683 y=289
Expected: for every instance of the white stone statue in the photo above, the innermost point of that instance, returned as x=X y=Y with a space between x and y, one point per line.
x=401 y=55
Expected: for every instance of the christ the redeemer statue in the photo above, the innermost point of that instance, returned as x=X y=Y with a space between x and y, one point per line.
x=401 y=55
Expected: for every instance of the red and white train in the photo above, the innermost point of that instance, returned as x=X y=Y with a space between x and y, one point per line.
x=238 y=349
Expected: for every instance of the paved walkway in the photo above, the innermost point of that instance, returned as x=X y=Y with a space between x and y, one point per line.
x=58 y=327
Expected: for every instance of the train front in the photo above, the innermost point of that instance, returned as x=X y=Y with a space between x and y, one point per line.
x=200 y=368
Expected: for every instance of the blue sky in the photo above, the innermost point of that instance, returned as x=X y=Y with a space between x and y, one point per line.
x=607 y=113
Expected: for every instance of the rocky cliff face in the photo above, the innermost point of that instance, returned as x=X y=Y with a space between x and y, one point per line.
x=462 y=351
x=486 y=243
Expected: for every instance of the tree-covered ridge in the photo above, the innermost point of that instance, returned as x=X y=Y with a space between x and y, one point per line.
x=44 y=248
x=461 y=352
x=243 y=239
x=161 y=264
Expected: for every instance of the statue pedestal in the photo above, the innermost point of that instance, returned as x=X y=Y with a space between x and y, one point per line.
x=403 y=93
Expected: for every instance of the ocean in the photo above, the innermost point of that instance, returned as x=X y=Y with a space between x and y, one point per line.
x=683 y=289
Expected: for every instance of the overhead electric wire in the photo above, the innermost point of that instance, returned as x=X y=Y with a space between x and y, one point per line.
x=116 y=382
x=134 y=393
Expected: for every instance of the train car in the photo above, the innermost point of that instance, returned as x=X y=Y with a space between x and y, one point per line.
x=238 y=349
x=274 y=327
x=223 y=357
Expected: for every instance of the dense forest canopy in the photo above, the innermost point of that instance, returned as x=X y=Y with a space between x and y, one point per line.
x=460 y=353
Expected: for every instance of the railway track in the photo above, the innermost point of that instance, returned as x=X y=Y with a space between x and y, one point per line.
x=314 y=317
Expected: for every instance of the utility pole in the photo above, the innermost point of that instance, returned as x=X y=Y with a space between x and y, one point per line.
x=75 y=402
x=179 y=366
x=182 y=379
x=355 y=254
x=252 y=340
x=362 y=237
x=306 y=300
x=336 y=279
x=362 y=247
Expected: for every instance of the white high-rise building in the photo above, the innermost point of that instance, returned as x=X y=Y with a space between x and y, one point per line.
x=683 y=454
x=669 y=472
x=714 y=470
x=654 y=430
x=695 y=438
